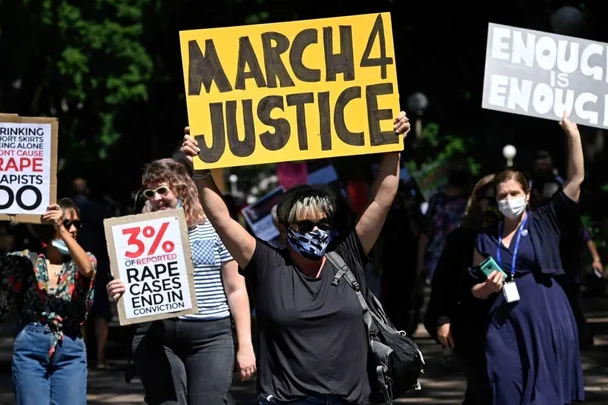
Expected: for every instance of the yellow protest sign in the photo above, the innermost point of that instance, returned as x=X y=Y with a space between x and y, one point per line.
x=291 y=91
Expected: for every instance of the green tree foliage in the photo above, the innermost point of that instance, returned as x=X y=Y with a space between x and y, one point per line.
x=81 y=61
x=111 y=71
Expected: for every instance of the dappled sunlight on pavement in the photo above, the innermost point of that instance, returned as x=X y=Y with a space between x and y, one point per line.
x=438 y=386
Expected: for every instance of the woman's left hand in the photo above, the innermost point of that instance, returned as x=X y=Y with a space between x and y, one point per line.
x=54 y=214
x=402 y=124
x=568 y=126
x=245 y=362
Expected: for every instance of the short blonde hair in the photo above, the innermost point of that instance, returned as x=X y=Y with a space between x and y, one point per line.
x=299 y=200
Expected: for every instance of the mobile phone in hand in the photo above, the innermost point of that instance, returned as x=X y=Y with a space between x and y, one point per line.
x=597 y=273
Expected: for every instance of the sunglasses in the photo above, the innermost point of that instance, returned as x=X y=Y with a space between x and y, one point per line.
x=150 y=193
x=306 y=226
x=68 y=224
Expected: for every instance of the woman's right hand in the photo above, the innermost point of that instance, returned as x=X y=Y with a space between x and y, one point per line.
x=493 y=284
x=189 y=146
x=116 y=289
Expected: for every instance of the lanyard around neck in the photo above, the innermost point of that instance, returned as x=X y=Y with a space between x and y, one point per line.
x=501 y=230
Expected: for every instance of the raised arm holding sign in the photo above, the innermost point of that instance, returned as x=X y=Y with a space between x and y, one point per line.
x=541 y=74
x=281 y=280
x=292 y=91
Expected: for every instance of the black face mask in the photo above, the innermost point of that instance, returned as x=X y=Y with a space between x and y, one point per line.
x=459 y=178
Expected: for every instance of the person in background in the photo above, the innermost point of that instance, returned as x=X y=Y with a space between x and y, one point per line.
x=190 y=360
x=444 y=213
x=543 y=175
x=531 y=345
x=454 y=317
x=6 y=239
x=92 y=238
x=400 y=282
x=52 y=292
x=313 y=342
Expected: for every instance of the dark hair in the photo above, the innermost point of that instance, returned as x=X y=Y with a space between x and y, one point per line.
x=458 y=161
x=46 y=232
x=542 y=154
x=139 y=201
x=302 y=197
x=511 y=174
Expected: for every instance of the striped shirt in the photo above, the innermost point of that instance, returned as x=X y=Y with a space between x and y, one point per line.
x=208 y=254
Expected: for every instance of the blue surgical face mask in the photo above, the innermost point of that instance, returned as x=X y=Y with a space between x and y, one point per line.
x=311 y=245
x=59 y=244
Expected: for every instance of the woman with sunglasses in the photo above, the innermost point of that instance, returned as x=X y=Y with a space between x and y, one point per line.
x=313 y=342
x=52 y=292
x=190 y=360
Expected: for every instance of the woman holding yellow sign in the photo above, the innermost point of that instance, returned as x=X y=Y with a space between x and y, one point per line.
x=314 y=343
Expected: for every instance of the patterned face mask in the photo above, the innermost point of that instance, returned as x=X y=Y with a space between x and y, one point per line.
x=311 y=245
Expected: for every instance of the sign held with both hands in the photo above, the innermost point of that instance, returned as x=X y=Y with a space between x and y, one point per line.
x=291 y=91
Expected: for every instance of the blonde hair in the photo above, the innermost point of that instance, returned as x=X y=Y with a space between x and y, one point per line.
x=473 y=213
x=302 y=199
x=175 y=175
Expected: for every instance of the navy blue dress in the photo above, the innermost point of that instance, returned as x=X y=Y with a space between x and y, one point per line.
x=532 y=345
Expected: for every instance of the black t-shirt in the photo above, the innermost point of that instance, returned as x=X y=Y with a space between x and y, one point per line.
x=312 y=337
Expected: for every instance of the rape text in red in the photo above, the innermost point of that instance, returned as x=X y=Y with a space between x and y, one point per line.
x=21 y=164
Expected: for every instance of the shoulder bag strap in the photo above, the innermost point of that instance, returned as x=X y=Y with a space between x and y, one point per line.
x=343 y=271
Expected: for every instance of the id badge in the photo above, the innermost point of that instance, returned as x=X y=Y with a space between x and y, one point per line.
x=510 y=291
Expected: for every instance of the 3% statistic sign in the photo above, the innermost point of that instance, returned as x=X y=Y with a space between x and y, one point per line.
x=151 y=254
x=148 y=233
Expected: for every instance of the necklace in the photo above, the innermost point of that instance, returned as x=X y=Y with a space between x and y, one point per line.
x=54 y=269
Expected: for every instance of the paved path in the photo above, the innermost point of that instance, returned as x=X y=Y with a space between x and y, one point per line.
x=439 y=387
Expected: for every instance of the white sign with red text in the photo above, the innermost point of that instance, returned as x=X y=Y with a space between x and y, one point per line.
x=151 y=254
x=25 y=168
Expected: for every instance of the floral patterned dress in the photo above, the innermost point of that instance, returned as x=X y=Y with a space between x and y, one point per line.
x=24 y=290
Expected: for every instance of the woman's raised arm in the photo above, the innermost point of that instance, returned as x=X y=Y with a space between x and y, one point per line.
x=576 y=162
x=237 y=240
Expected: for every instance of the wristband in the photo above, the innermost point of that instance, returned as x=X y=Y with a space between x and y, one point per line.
x=201 y=174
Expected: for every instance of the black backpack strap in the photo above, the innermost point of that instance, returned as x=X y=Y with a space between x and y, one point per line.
x=343 y=271
x=379 y=349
